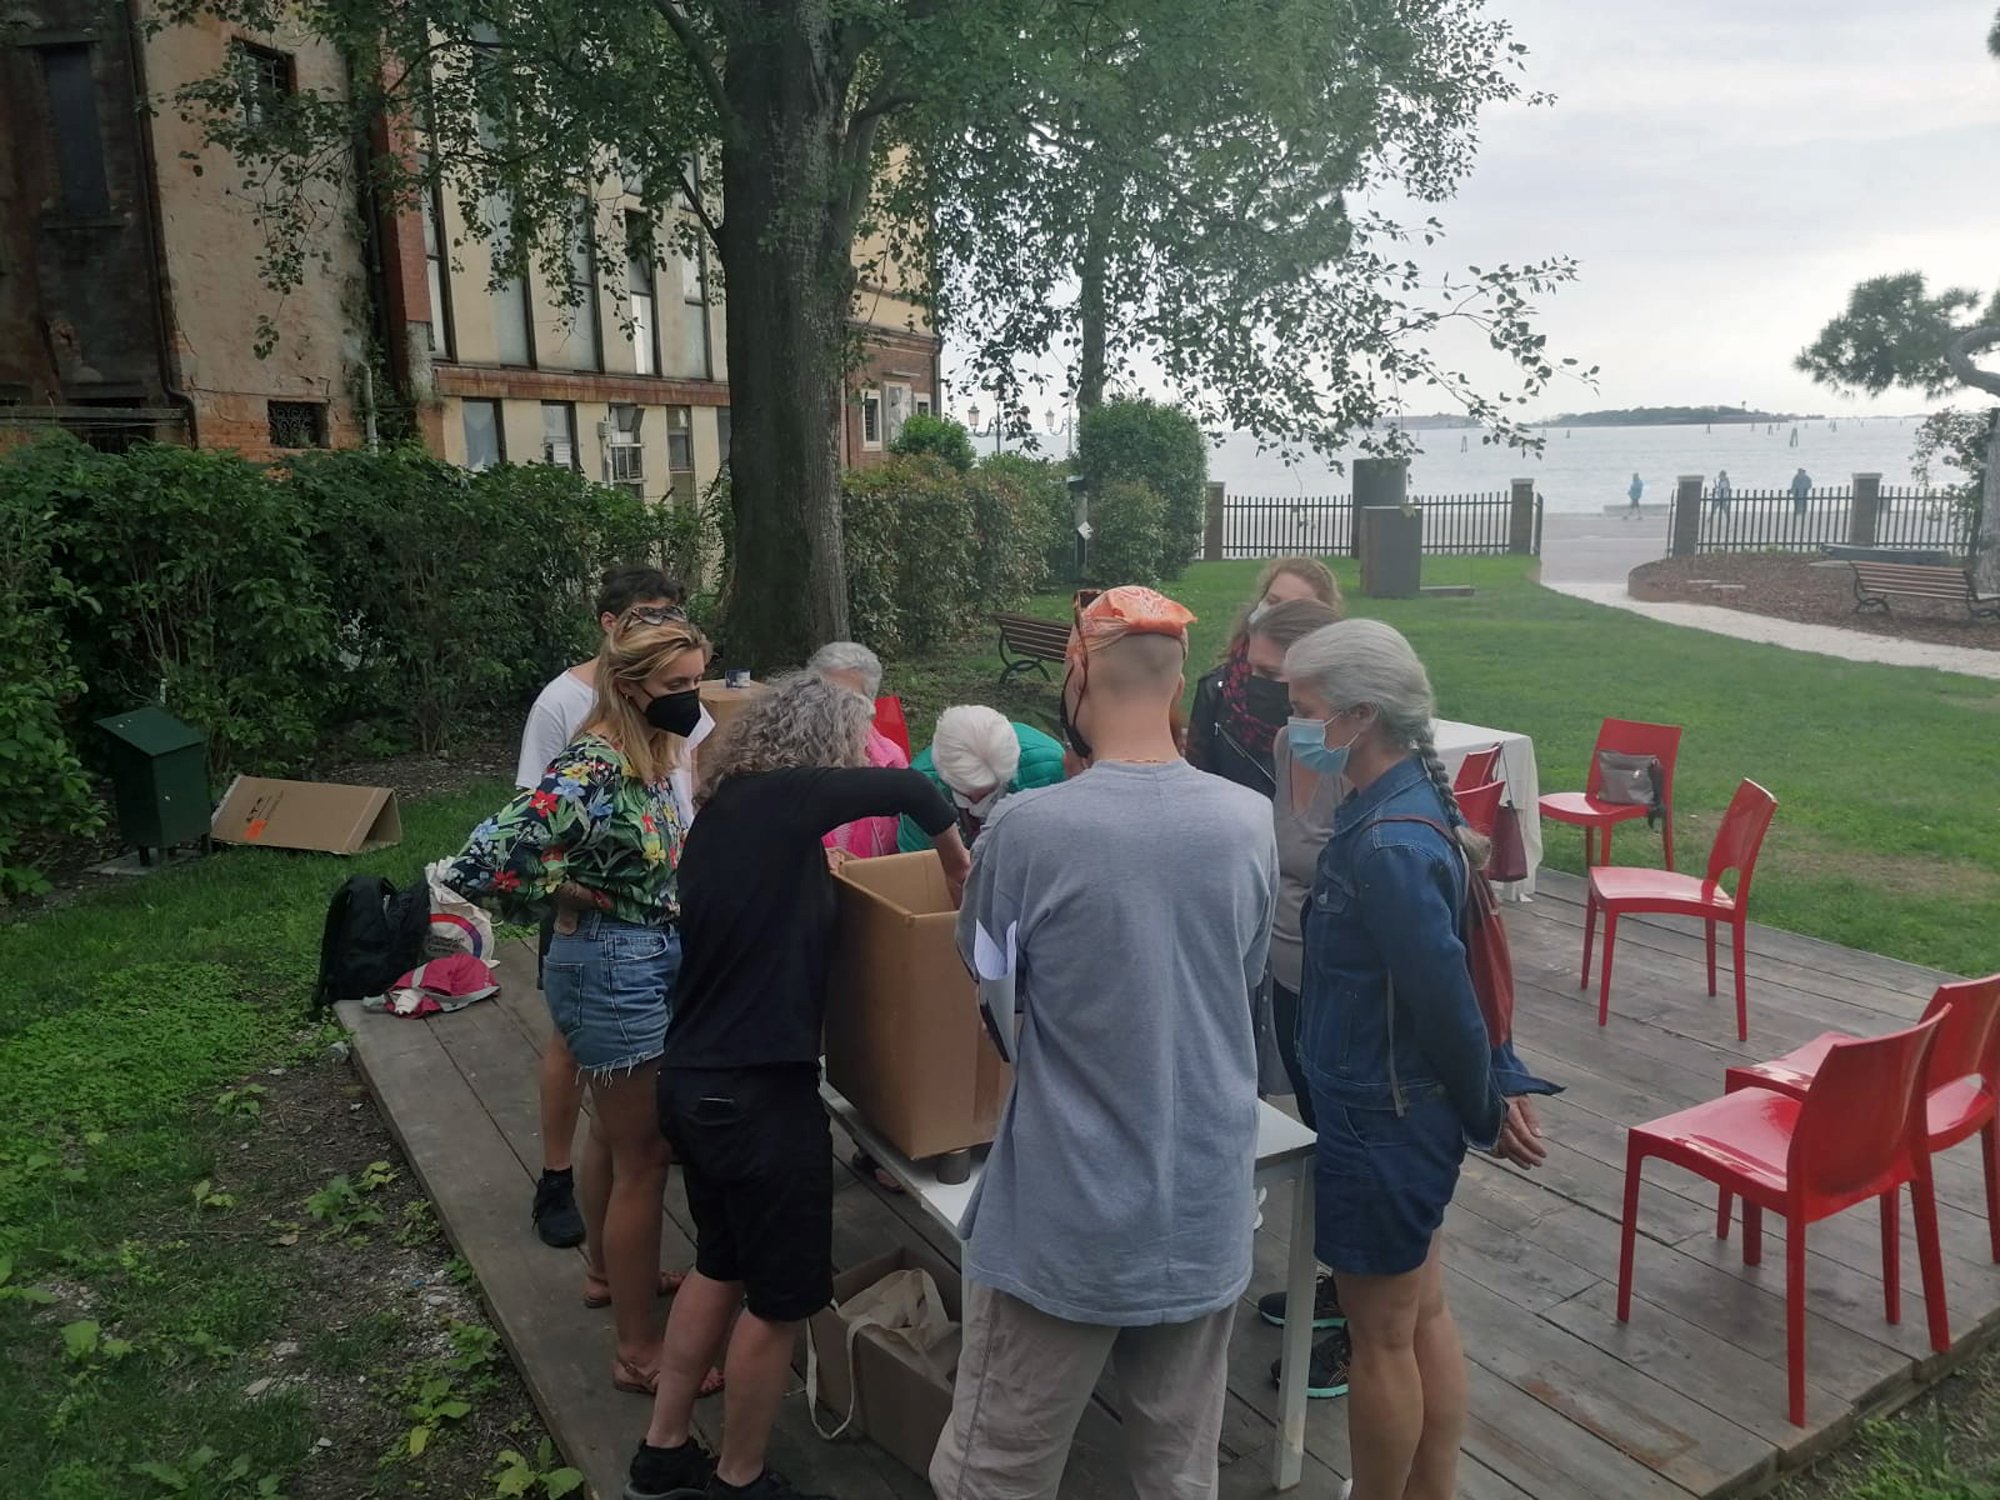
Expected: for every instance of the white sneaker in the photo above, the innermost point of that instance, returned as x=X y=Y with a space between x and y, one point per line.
x=1259 y=1224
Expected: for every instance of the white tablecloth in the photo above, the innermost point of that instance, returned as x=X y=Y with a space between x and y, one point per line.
x=1517 y=768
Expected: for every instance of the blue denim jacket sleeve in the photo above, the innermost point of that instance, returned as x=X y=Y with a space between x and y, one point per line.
x=1406 y=894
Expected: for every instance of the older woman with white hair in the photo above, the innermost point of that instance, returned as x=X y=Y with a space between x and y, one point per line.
x=851 y=665
x=975 y=758
x=1394 y=1048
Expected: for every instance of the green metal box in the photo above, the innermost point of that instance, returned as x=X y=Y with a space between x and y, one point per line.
x=159 y=779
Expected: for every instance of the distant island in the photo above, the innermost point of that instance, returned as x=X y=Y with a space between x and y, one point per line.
x=1430 y=422
x=1672 y=416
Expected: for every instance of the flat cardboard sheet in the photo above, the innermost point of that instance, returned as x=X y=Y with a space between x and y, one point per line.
x=307 y=815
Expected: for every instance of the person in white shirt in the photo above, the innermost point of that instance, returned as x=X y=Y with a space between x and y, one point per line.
x=559 y=712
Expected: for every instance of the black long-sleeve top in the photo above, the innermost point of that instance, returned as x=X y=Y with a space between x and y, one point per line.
x=757 y=909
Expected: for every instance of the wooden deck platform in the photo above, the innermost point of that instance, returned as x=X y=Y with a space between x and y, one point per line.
x=1686 y=1400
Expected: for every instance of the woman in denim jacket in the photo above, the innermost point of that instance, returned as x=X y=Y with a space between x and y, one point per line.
x=1391 y=1041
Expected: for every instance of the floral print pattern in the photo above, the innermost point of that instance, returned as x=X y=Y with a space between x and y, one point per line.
x=590 y=822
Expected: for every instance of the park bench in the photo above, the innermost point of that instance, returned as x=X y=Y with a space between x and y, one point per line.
x=1028 y=644
x=1874 y=582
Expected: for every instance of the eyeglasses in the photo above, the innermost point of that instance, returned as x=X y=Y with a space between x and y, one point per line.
x=654 y=614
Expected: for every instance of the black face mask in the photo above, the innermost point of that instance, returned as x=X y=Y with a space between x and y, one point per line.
x=675 y=713
x=1268 y=701
x=1072 y=736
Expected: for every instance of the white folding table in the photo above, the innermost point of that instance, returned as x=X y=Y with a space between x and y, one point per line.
x=1455 y=741
x=1284 y=1154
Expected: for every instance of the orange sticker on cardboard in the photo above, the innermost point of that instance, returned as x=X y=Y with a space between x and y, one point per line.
x=254 y=830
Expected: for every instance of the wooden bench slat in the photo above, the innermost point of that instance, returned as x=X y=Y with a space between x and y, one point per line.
x=1875 y=581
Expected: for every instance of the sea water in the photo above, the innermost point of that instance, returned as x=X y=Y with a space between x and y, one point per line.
x=1584 y=469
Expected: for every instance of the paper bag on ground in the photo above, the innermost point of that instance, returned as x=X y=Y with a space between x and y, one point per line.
x=307 y=815
x=896 y=1382
x=904 y=1039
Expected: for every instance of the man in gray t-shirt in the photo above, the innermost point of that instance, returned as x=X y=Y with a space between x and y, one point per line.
x=1113 y=1220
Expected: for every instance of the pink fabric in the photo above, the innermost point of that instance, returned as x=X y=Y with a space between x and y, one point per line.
x=868 y=837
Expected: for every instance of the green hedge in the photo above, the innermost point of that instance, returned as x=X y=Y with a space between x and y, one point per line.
x=365 y=602
x=1128 y=530
x=1162 y=448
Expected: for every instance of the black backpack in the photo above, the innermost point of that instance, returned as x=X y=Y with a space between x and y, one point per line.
x=374 y=935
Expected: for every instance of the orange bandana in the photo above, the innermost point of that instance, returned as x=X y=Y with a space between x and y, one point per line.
x=1104 y=616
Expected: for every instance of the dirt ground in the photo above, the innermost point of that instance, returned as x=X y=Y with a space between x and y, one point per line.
x=1807 y=589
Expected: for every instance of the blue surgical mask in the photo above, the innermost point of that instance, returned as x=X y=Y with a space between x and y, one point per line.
x=1307 y=739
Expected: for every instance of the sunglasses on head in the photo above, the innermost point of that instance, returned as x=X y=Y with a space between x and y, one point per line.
x=654 y=614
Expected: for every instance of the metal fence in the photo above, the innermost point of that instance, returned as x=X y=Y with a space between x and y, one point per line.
x=1775 y=521
x=1323 y=525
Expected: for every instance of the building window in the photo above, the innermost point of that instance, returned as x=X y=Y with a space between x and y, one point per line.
x=263 y=78
x=78 y=138
x=513 y=320
x=694 y=353
x=437 y=274
x=296 y=424
x=624 y=458
x=559 y=434
x=641 y=292
x=895 y=410
x=722 y=431
x=680 y=440
x=579 y=314
x=485 y=439
x=923 y=401
x=871 y=419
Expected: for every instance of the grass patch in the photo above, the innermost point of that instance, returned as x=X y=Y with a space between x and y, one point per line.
x=1888 y=830
x=177 y=1319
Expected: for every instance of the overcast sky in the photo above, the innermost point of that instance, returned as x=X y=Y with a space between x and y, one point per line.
x=1725 y=171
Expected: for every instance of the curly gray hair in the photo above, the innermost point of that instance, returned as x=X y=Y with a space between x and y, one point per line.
x=803 y=720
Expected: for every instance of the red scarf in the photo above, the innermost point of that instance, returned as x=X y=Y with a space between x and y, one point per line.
x=1249 y=731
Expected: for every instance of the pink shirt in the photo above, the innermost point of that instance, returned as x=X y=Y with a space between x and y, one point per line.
x=869 y=837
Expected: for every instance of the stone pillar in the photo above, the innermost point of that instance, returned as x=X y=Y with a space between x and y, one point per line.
x=1378 y=482
x=1864 y=510
x=1521 y=518
x=1213 y=539
x=1684 y=536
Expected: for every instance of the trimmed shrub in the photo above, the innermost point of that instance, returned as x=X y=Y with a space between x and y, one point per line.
x=937 y=437
x=1157 y=446
x=1047 y=524
x=1127 y=522
x=907 y=530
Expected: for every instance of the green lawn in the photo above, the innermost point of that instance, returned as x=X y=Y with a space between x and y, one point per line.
x=168 y=1123
x=1888 y=779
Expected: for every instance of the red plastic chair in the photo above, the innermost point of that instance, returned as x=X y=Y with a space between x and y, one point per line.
x=1478 y=768
x=1481 y=806
x=1961 y=1083
x=1597 y=818
x=1621 y=890
x=1857 y=1134
x=890 y=724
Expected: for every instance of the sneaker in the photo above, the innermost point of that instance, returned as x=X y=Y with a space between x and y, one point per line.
x=555 y=1214
x=1326 y=1305
x=769 y=1485
x=682 y=1473
x=1326 y=1371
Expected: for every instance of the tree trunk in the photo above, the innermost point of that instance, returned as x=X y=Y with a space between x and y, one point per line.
x=785 y=251
x=1986 y=544
x=1091 y=311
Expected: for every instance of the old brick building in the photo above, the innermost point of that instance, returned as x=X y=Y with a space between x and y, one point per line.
x=132 y=303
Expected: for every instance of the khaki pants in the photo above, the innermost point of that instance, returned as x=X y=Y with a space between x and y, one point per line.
x=1024 y=1379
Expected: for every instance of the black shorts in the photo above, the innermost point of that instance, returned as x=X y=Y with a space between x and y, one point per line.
x=757 y=1159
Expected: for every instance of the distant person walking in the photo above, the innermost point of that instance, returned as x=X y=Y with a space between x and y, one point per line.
x=1721 y=493
x=1634 y=492
x=1801 y=492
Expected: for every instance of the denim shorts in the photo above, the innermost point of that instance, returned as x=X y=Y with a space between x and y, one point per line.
x=610 y=991
x=1382 y=1182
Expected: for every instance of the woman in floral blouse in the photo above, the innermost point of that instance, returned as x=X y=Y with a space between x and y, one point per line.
x=596 y=844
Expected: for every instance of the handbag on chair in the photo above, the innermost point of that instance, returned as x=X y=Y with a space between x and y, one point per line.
x=1508 y=861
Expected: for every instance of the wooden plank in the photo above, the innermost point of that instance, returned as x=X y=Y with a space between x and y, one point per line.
x=1541 y=1451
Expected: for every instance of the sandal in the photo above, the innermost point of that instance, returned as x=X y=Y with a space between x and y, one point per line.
x=866 y=1167
x=638 y=1381
x=670 y=1282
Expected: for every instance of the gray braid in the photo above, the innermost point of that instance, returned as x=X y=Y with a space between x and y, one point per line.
x=1477 y=847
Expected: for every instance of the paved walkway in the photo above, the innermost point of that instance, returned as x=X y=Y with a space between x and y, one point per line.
x=1588 y=557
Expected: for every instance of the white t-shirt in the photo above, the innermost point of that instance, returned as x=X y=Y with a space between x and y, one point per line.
x=559 y=713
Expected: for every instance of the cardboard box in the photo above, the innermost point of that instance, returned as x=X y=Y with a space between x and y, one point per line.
x=900 y=1404
x=724 y=703
x=904 y=1041
x=307 y=815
